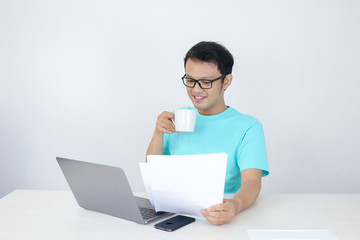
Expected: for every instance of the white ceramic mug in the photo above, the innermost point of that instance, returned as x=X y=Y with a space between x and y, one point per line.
x=185 y=120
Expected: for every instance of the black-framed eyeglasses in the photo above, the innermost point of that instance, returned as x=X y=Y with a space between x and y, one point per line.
x=204 y=84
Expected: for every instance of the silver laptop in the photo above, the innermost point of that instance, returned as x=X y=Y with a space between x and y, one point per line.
x=105 y=189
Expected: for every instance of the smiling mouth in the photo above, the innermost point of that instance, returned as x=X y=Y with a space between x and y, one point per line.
x=199 y=98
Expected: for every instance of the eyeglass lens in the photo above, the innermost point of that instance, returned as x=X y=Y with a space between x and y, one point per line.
x=189 y=82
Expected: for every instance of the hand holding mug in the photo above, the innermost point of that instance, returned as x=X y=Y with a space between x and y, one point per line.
x=182 y=121
x=164 y=123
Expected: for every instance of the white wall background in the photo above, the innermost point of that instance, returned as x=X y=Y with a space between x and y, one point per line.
x=87 y=79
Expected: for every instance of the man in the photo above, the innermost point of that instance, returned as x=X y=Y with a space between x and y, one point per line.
x=219 y=128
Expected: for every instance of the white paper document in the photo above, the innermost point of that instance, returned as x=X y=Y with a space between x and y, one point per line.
x=291 y=235
x=185 y=184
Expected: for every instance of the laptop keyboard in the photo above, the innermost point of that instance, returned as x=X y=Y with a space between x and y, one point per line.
x=148 y=213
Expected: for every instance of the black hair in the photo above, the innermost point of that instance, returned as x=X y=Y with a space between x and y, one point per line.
x=212 y=52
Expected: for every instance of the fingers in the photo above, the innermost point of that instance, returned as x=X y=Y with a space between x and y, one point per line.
x=165 y=124
x=218 y=207
x=220 y=213
x=217 y=220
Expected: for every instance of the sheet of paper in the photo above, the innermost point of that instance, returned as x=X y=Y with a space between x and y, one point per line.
x=291 y=235
x=146 y=179
x=185 y=184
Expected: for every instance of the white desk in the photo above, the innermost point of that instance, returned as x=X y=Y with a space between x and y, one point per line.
x=29 y=214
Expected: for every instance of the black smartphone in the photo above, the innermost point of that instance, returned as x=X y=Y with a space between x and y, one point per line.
x=174 y=223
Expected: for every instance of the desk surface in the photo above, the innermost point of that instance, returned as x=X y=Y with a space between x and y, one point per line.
x=30 y=214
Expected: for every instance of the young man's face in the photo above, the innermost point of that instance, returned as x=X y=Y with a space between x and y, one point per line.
x=207 y=101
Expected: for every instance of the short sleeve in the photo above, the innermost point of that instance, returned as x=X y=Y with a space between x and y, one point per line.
x=252 y=150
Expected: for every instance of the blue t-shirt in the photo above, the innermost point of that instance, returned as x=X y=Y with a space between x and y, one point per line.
x=240 y=136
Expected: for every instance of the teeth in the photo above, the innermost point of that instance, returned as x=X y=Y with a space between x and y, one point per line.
x=199 y=97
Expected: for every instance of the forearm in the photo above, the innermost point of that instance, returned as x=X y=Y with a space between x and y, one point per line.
x=246 y=195
x=156 y=144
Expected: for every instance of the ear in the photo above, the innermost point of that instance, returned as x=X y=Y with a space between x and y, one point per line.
x=227 y=81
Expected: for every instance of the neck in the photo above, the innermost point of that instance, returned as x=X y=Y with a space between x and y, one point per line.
x=214 y=110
